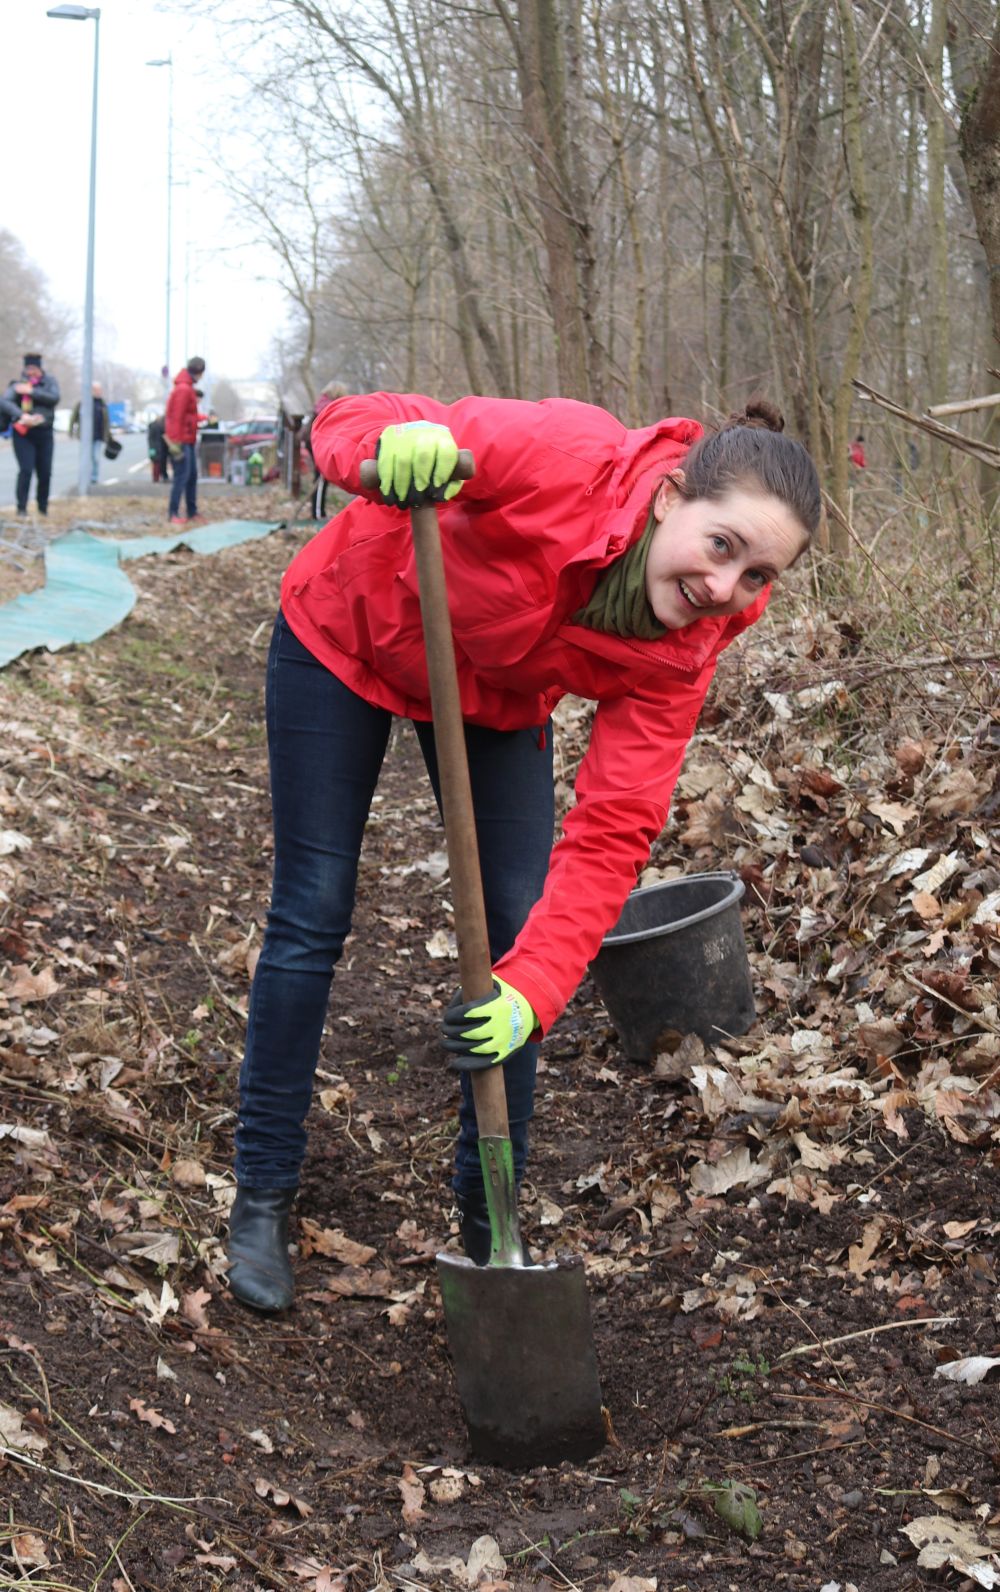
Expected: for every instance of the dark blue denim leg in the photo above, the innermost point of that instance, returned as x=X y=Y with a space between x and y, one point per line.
x=185 y=481
x=512 y=792
x=326 y=747
x=191 y=480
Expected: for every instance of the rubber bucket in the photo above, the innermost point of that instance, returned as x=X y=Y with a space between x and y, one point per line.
x=676 y=963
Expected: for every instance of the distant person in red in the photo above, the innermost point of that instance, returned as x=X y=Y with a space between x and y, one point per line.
x=180 y=429
x=857 y=452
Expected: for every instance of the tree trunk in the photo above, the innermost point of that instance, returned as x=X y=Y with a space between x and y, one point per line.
x=979 y=143
x=541 y=68
x=861 y=288
x=936 y=166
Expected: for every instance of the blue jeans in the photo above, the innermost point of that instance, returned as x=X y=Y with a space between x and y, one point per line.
x=95 y=459
x=185 y=482
x=326 y=747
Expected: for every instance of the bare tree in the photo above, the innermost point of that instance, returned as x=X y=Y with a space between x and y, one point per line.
x=29 y=320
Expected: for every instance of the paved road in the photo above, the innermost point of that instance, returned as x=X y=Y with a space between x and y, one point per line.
x=132 y=464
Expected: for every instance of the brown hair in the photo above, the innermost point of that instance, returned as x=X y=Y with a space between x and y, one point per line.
x=750 y=451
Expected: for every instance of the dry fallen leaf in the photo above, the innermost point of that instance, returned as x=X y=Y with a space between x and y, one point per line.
x=24 y=985
x=28 y=1548
x=412 y=1490
x=735 y=1168
x=333 y=1243
x=188 y=1174
x=974 y=1368
x=956 y=1543
x=281 y=1497
x=193 y=1304
x=859 y=1256
x=151 y=1417
x=13 y=1434
x=158 y=1309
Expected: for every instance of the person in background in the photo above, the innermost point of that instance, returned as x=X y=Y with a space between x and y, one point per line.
x=102 y=431
x=181 y=433
x=326 y=396
x=582 y=557
x=857 y=452
x=156 y=443
x=30 y=405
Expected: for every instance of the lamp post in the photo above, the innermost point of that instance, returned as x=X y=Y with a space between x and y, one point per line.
x=168 y=62
x=72 y=13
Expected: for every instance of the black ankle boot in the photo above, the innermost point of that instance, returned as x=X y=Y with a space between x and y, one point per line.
x=474 y=1227
x=260 y=1273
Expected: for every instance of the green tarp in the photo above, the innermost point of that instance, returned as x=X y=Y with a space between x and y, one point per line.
x=87 y=593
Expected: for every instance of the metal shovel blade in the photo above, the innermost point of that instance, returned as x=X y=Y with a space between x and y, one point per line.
x=523 y=1352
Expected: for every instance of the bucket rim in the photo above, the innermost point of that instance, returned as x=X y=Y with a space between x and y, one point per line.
x=732 y=897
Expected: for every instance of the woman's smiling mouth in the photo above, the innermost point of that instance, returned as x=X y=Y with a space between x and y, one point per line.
x=689 y=596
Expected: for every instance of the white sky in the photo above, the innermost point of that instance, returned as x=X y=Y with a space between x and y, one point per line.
x=46 y=77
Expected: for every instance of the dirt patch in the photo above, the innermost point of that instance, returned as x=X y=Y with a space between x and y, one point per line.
x=841 y=1185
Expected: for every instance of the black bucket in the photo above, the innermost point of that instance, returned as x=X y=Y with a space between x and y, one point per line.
x=676 y=962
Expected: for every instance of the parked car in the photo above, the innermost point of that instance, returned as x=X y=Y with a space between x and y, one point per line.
x=259 y=435
x=252 y=431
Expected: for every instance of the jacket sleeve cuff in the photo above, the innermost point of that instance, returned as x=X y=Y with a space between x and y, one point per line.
x=542 y=996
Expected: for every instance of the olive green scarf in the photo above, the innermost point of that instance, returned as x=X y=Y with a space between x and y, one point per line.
x=618 y=603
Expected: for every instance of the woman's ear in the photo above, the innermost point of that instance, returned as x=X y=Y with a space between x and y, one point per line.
x=666 y=494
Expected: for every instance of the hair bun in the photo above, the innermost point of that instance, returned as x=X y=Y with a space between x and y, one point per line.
x=760 y=414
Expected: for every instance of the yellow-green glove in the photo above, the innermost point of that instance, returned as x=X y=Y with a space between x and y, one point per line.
x=484 y=1033
x=416 y=461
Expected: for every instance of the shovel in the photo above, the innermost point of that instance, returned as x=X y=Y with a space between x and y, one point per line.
x=520 y=1336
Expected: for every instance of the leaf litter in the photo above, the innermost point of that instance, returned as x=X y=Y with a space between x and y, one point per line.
x=748 y=1211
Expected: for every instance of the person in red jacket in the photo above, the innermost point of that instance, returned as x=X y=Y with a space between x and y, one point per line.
x=581 y=557
x=180 y=432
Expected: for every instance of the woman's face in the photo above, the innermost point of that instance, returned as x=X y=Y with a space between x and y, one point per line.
x=713 y=556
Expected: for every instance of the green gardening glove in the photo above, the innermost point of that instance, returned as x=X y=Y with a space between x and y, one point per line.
x=483 y=1033
x=416 y=461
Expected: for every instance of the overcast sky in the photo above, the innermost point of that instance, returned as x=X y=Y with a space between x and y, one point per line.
x=220 y=307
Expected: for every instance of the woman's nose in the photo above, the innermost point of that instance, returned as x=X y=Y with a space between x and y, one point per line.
x=722 y=584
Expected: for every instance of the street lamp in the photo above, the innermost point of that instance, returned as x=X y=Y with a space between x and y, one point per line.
x=168 y=62
x=70 y=13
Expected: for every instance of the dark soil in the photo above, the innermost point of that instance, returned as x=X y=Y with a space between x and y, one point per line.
x=216 y=1448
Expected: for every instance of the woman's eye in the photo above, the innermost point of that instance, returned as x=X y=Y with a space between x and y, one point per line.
x=756 y=577
x=720 y=544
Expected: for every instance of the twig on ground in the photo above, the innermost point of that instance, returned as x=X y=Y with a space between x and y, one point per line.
x=536 y=1547
x=180 y=1504
x=866 y=1332
x=973 y=1017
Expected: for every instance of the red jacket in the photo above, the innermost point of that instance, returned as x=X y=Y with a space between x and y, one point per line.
x=560 y=490
x=181 y=422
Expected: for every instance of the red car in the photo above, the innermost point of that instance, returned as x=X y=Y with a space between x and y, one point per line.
x=249 y=436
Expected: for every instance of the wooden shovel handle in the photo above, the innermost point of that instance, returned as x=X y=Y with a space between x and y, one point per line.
x=465 y=469
x=475 y=968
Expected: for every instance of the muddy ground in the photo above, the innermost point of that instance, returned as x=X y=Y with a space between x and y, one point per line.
x=785 y=1237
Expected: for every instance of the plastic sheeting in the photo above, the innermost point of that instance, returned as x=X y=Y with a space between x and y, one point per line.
x=87 y=593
